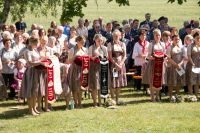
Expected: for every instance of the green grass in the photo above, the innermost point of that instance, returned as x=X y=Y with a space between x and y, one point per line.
x=176 y=13
x=138 y=116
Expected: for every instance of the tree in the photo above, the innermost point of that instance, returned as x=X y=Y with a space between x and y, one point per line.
x=70 y=8
x=180 y=2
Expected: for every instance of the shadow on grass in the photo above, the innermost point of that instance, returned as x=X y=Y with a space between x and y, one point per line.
x=138 y=101
x=10 y=104
x=63 y=107
x=14 y=114
x=133 y=95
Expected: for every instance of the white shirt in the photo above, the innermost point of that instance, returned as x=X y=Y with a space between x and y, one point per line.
x=185 y=55
x=81 y=52
x=100 y=51
x=18 y=48
x=137 y=52
x=62 y=39
x=156 y=48
x=72 y=42
x=82 y=31
x=8 y=55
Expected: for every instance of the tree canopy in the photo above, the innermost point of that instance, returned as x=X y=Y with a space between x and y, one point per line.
x=70 y=8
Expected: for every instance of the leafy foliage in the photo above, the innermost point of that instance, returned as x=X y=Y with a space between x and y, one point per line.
x=70 y=8
x=121 y=2
x=180 y=2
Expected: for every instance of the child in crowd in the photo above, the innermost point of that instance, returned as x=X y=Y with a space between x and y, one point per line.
x=18 y=76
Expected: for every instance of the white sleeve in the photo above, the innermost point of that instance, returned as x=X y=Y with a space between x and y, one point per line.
x=184 y=51
x=135 y=51
x=105 y=51
x=150 y=50
x=27 y=56
x=109 y=47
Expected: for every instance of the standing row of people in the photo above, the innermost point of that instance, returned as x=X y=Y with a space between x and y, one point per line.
x=123 y=50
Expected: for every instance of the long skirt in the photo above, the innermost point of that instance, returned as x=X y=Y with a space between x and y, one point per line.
x=121 y=79
x=74 y=77
x=147 y=77
x=33 y=83
x=94 y=77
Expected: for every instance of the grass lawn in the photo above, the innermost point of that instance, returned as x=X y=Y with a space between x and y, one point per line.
x=138 y=116
x=176 y=13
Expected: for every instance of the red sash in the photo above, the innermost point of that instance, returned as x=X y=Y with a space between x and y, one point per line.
x=50 y=82
x=85 y=71
x=143 y=44
x=158 y=69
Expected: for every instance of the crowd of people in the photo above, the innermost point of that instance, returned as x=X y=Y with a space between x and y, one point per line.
x=127 y=45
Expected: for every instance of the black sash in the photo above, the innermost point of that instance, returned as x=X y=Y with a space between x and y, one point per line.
x=104 y=77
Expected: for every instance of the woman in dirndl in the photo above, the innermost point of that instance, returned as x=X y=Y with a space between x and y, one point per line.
x=175 y=53
x=193 y=66
x=166 y=38
x=96 y=51
x=75 y=70
x=155 y=46
x=188 y=40
x=117 y=55
x=45 y=52
x=29 y=87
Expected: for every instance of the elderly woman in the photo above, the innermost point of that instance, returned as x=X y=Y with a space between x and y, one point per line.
x=193 y=53
x=73 y=35
x=8 y=57
x=96 y=51
x=75 y=70
x=117 y=55
x=18 y=46
x=188 y=40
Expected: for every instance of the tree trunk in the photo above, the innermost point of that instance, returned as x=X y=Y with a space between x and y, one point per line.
x=6 y=10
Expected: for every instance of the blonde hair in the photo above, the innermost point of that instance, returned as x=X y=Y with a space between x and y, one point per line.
x=98 y=36
x=157 y=31
x=35 y=34
x=188 y=37
x=116 y=32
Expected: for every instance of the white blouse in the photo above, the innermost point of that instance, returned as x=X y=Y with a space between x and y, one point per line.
x=160 y=47
x=137 y=52
x=81 y=52
x=101 y=51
